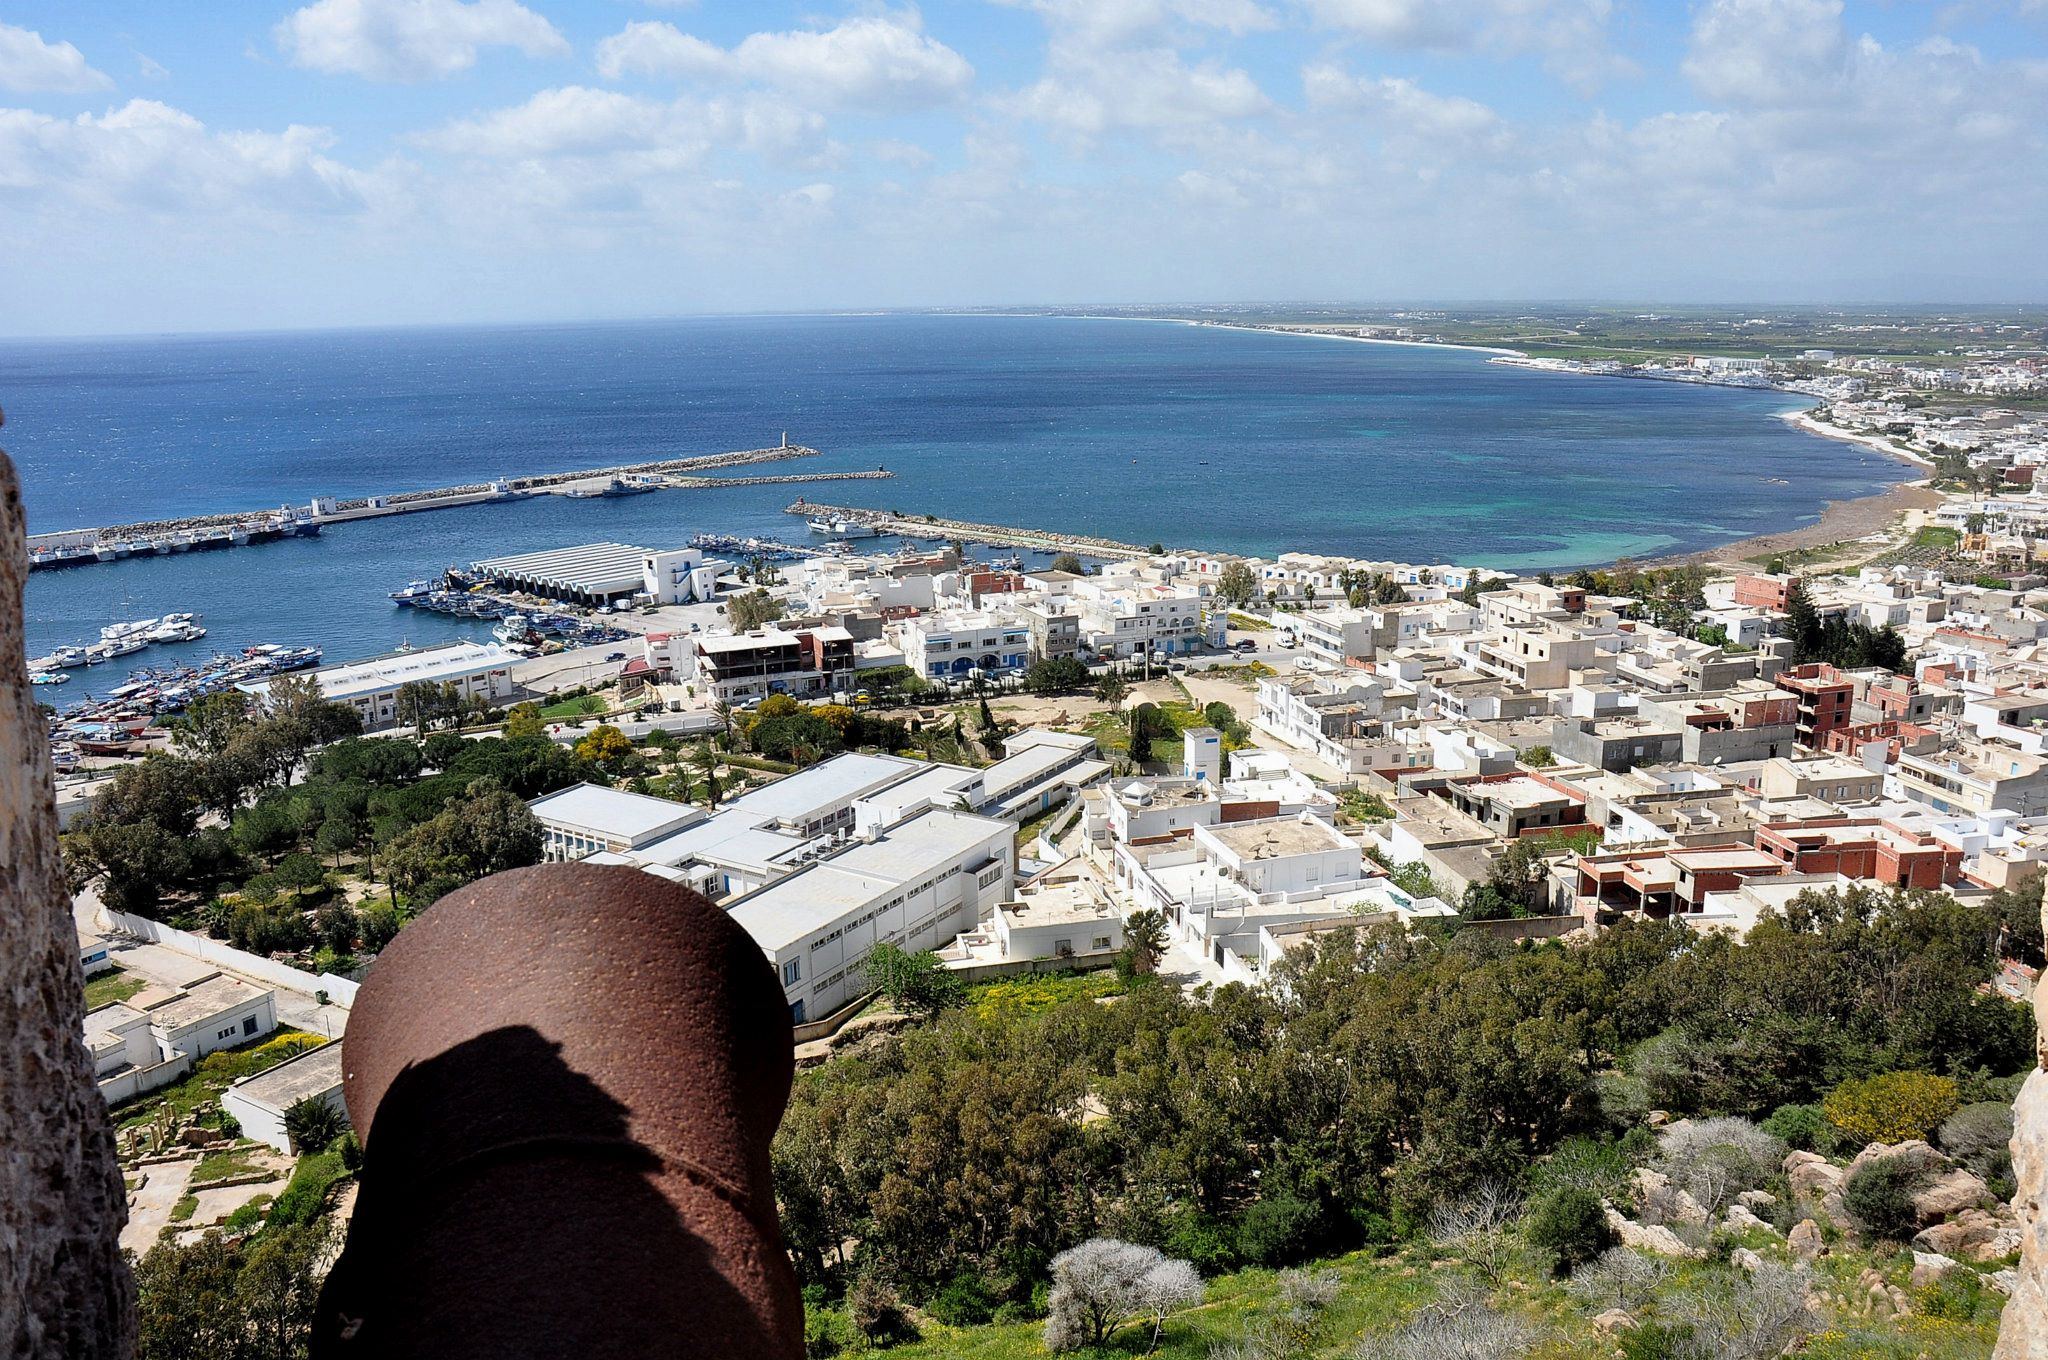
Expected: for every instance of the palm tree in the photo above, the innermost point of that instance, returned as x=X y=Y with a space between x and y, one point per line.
x=312 y=1124
x=706 y=760
x=722 y=710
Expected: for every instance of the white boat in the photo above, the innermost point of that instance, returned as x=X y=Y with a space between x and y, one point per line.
x=114 y=632
x=49 y=678
x=105 y=552
x=843 y=528
x=175 y=630
x=512 y=628
x=68 y=656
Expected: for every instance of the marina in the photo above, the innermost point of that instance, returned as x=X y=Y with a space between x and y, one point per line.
x=162 y=538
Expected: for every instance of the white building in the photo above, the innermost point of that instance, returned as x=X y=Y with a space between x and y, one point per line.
x=259 y=1103
x=602 y=573
x=156 y=1036
x=475 y=669
x=588 y=818
x=916 y=884
x=1121 y=618
x=955 y=644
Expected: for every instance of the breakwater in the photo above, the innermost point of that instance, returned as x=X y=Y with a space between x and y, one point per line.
x=81 y=547
x=1002 y=535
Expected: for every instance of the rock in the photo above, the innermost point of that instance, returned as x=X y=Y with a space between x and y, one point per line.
x=1901 y=1305
x=1650 y=1182
x=1652 y=1237
x=1740 y=1219
x=1683 y=1208
x=2004 y=1281
x=1930 y=1267
x=1612 y=1321
x=1745 y=1260
x=2023 y=1335
x=1972 y=1235
x=1914 y=1154
x=1812 y=1176
x=1949 y=1193
x=1805 y=1240
x=1756 y=1199
x=1657 y=1119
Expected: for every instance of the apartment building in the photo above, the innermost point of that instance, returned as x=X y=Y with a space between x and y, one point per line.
x=955 y=644
x=740 y=666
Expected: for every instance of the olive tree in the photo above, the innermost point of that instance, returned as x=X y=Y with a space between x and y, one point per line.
x=1099 y=1285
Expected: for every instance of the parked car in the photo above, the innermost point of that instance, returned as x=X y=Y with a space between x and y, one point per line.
x=1245 y=645
x=615 y=656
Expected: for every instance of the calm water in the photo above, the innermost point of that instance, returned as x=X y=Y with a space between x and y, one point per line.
x=1139 y=431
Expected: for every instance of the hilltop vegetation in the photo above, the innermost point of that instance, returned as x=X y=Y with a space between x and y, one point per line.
x=1380 y=1083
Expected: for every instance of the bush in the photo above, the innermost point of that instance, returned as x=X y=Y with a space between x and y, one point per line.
x=1804 y=1127
x=1277 y=1231
x=1891 y=1107
x=1203 y=1241
x=1979 y=1136
x=1570 y=1226
x=1880 y=1197
x=964 y=1302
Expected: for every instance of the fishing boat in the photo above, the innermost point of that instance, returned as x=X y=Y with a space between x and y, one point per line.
x=843 y=528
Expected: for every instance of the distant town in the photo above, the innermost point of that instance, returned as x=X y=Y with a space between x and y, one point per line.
x=938 y=770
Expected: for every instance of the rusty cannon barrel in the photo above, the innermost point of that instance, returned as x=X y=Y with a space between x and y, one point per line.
x=565 y=1080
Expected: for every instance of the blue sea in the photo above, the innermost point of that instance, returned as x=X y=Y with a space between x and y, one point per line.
x=1196 y=436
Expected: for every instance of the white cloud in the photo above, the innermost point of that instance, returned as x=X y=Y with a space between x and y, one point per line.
x=873 y=61
x=410 y=40
x=151 y=156
x=634 y=132
x=1768 y=52
x=30 y=65
x=1570 y=36
x=1101 y=23
x=1400 y=106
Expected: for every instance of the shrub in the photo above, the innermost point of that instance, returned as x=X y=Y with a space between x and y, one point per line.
x=1891 y=1107
x=1880 y=1197
x=964 y=1302
x=1714 y=1160
x=1979 y=1136
x=1277 y=1231
x=1570 y=1226
x=1804 y=1127
x=1101 y=1283
x=1203 y=1241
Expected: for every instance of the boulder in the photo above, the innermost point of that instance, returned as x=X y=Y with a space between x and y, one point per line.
x=1812 y=1176
x=1930 y=1267
x=2004 y=1281
x=1683 y=1208
x=1914 y=1154
x=1972 y=1235
x=2023 y=1334
x=1805 y=1240
x=1652 y=1237
x=1745 y=1260
x=1740 y=1219
x=1951 y=1192
x=1612 y=1321
x=1756 y=1199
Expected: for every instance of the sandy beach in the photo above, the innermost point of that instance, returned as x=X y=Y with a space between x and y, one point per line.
x=1839 y=522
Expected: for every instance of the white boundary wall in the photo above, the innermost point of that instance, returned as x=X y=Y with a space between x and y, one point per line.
x=340 y=990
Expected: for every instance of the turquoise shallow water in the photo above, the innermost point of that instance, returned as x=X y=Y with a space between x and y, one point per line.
x=1247 y=441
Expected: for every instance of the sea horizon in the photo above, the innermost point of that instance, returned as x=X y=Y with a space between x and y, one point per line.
x=1138 y=433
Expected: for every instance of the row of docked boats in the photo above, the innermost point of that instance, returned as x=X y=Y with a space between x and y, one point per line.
x=113 y=723
x=260 y=530
x=518 y=624
x=116 y=640
x=771 y=549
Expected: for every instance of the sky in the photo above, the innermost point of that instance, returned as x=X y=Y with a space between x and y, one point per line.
x=251 y=164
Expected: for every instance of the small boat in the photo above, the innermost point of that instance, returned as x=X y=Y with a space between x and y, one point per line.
x=50 y=678
x=105 y=552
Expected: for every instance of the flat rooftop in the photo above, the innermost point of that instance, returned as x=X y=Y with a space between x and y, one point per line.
x=453 y=661
x=204 y=1001
x=614 y=813
x=594 y=568
x=1277 y=837
x=315 y=1072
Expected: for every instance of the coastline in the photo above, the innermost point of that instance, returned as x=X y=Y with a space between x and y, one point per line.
x=1840 y=521
x=1805 y=421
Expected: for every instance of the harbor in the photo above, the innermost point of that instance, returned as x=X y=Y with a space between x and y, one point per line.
x=871 y=523
x=163 y=538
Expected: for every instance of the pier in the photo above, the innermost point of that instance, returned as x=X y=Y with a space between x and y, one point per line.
x=995 y=535
x=83 y=547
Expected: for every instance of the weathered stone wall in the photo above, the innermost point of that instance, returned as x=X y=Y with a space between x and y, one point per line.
x=64 y=1290
x=2024 y=1334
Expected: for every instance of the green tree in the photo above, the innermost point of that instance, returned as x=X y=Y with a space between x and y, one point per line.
x=487 y=831
x=1236 y=585
x=1569 y=1226
x=1113 y=689
x=917 y=982
x=752 y=609
x=1144 y=941
x=312 y=1124
x=524 y=720
x=607 y=746
x=210 y=723
x=1069 y=563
